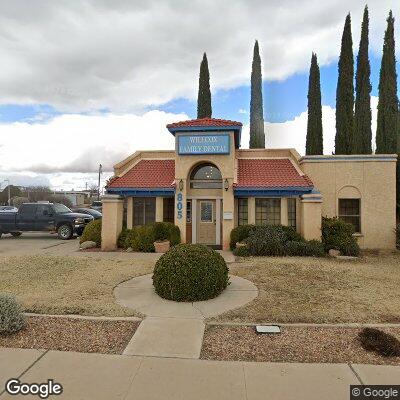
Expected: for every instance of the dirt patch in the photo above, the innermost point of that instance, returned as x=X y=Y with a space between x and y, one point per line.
x=73 y=334
x=294 y=344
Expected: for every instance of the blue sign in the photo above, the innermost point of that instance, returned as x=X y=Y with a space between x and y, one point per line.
x=204 y=144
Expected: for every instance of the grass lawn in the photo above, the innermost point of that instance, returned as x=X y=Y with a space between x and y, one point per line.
x=69 y=285
x=322 y=290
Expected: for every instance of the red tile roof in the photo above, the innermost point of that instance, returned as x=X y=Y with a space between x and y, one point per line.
x=147 y=174
x=269 y=173
x=255 y=173
x=204 y=122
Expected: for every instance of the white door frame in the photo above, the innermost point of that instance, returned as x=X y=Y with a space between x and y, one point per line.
x=217 y=217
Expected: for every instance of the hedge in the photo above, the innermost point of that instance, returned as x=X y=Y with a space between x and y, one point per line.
x=338 y=235
x=142 y=238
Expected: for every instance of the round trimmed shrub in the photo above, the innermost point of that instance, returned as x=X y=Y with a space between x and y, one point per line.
x=190 y=272
x=12 y=318
x=92 y=232
x=380 y=342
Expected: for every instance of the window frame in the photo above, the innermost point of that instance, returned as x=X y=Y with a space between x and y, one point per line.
x=343 y=217
x=196 y=183
x=168 y=209
x=293 y=212
x=144 y=212
x=275 y=220
x=240 y=211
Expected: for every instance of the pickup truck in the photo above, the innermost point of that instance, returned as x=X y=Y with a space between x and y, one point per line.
x=44 y=217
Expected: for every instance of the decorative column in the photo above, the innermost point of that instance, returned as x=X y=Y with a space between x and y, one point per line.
x=228 y=222
x=113 y=213
x=129 y=212
x=311 y=216
x=251 y=212
x=159 y=209
x=284 y=211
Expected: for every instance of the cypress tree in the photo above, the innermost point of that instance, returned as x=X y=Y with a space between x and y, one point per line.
x=204 y=109
x=386 y=131
x=257 y=135
x=314 y=141
x=345 y=94
x=362 y=117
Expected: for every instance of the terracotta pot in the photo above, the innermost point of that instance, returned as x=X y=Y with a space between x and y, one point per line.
x=162 y=247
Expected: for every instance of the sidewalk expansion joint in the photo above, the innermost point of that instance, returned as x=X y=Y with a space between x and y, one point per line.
x=356 y=374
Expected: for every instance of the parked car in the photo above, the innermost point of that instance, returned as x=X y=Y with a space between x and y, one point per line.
x=97 y=205
x=44 y=217
x=8 y=209
x=89 y=211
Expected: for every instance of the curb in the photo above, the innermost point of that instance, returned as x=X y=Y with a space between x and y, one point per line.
x=87 y=317
x=308 y=325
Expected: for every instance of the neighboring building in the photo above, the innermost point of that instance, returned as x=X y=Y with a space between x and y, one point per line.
x=77 y=198
x=208 y=185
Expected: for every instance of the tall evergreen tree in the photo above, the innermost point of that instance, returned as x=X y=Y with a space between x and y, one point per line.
x=386 y=131
x=204 y=109
x=362 y=116
x=314 y=141
x=345 y=94
x=257 y=135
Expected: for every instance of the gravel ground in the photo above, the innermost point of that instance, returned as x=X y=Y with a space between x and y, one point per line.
x=294 y=344
x=72 y=334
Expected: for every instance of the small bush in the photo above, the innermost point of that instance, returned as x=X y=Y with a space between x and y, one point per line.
x=190 y=272
x=311 y=248
x=380 y=342
x=398 y=236
x=241 y=251
x=141 y=238
x=338 y=235
x=92 y=232
x=161 y=231
x=12 y=318
x=240 y=233
x=266 y=241
x=291 y=234
x=122 y=238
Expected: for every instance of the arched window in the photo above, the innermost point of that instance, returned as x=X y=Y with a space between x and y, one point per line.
x=206 y=176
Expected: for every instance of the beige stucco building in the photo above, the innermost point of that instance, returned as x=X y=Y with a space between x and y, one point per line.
x=208 y=185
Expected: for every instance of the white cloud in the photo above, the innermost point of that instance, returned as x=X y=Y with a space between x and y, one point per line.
x=123 y=55
x=68 y=149
x=292 y=134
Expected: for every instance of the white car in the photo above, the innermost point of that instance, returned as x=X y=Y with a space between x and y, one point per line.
x=8 y=209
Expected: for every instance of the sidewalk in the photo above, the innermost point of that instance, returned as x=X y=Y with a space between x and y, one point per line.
x=109 y=377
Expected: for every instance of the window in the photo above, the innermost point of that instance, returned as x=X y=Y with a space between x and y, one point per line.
x=168 y=209
x=206 y=211
x=189 y=212
x=243 y=212
x=144 y=210
x=206 y=176
x=28 y=209
x=349 y=211
x=268 y=211
x=291 y=209
x=43 y=209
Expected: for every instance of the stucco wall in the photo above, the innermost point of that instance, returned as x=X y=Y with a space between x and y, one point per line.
x=370 y=178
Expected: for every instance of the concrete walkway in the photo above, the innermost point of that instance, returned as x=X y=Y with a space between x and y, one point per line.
x=111 y=377
x=173 y=329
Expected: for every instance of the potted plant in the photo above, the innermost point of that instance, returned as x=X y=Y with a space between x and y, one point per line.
x=161 y=243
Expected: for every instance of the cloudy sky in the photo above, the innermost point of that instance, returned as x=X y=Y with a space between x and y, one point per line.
x=92 y=81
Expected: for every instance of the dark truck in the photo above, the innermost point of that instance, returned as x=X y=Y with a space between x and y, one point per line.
x=44 y=217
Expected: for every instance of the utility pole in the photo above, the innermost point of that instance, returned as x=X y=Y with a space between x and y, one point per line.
x=98 y=186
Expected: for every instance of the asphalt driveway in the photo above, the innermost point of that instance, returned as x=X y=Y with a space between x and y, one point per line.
x=30 y=243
